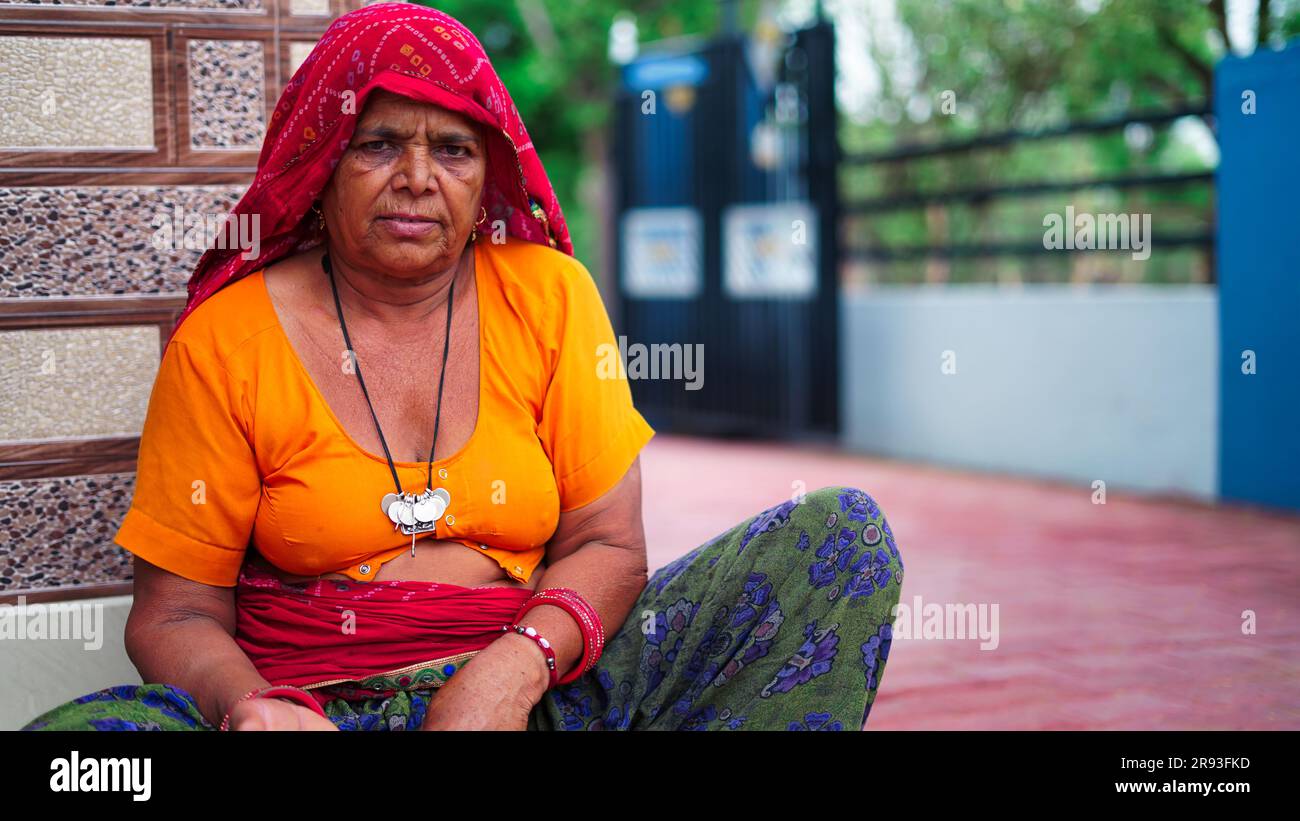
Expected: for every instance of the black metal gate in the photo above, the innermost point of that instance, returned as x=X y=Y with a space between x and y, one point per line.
x=688 y=174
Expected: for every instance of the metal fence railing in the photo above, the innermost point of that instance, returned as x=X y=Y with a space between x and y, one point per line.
x=854 y=249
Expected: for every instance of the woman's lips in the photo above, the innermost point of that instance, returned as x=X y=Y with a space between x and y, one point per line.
x=403 y=226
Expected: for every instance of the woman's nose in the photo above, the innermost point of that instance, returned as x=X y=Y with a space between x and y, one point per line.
x=417 y=168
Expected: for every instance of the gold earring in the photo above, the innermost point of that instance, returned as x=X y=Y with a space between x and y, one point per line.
x=320 y=217
x=474 y=235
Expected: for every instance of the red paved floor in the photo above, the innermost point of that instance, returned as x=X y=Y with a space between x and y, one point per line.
x=1126 y=615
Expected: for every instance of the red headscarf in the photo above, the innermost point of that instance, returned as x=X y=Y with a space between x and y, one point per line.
x=408 y=49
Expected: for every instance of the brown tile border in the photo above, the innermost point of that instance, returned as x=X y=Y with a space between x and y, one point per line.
x=53 y=459
x=69 y=592
x=110 y=15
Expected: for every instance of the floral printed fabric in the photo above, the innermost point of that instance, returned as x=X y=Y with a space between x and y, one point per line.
x=783 y=622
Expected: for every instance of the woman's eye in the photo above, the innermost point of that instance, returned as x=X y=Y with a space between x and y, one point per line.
x=373 y=145
x=464 y=151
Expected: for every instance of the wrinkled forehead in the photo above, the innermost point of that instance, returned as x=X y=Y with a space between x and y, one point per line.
x=386 y=108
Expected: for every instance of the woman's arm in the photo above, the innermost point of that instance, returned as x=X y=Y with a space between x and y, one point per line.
x=181 y=632
x=597 y=550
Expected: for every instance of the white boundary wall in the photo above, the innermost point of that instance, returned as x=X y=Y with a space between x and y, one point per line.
x=1118 y=383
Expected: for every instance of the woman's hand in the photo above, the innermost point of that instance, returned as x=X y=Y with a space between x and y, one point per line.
x=276 y=714
x=495 y=690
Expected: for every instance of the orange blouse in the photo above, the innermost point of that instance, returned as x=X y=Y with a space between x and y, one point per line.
x=239 y=445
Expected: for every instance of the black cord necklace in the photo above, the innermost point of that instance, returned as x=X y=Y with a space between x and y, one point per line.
x=413 y=513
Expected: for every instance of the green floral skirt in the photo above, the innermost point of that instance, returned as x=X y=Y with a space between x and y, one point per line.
x=782 y=622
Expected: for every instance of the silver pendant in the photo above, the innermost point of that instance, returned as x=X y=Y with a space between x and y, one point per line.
x=431 y=504
x=416 y=513
x=405 y=510
x=426 y=508
x=420 y=513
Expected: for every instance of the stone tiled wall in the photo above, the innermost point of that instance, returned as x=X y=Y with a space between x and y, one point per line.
x=227 y=93
x=76 y=92
x=309 y=7
x=60 y=530
x=50 y=367
x=126 y=126
x=196 y=5
x=96 y=240
x=297 y=54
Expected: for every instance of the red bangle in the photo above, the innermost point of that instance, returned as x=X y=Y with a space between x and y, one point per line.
x=276 y=691
x=582 y=610
x=529 y=632
x=593 y=632
x=588 y=618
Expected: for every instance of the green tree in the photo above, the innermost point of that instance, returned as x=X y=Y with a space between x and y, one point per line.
x=1023 y=64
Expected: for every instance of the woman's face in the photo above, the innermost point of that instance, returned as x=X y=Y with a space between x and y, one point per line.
x=404 y=197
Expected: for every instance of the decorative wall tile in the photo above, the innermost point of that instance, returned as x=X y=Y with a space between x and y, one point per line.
x=298 y=52
x=56 y=532
x=75 y=92
x=312 y=7
x=214 y=5
x=105 y=239
x=76 y=382
x=227 y=94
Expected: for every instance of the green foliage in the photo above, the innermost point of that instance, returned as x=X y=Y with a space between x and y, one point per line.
x=1025 y=64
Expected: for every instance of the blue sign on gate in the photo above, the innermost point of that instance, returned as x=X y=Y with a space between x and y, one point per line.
x=660 y=72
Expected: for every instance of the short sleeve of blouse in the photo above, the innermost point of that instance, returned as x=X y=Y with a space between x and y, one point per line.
x=589 y=427
x=197 y=483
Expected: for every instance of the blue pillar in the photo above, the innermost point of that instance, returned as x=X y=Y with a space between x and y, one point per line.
x=1258 y=184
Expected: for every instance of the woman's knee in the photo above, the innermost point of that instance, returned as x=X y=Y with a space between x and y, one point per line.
x=848 y=505
x=839 y=498
x=853 y=563
x=835 y=527
x=853 y=508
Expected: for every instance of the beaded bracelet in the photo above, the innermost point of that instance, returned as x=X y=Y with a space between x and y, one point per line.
x=593 y=632
x=529 y=632
x=277 y=691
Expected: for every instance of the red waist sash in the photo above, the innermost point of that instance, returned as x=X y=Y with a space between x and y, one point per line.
x=330 y=630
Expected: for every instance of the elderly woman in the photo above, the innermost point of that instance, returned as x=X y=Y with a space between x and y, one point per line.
x=382 y=483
